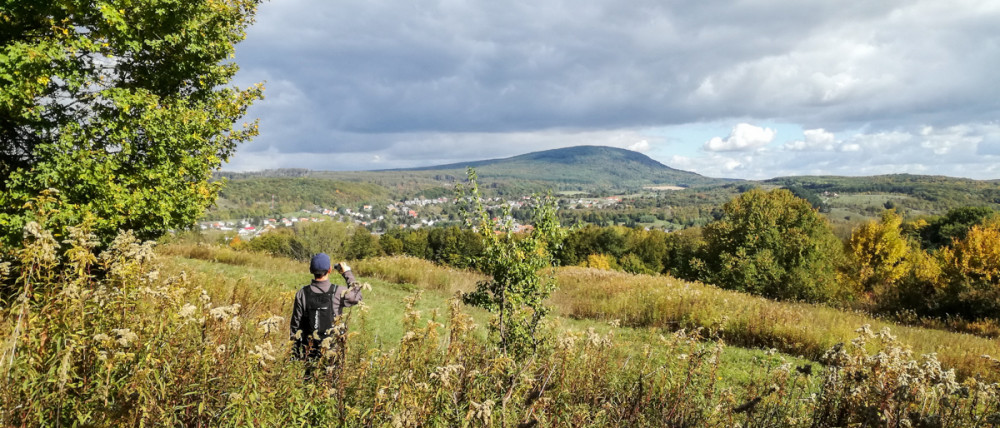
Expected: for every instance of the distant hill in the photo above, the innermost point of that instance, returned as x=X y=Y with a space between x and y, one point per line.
x=580 y=166
x=595 y=170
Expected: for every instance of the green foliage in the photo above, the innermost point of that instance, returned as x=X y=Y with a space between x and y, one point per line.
x=271 y=196
x=772 y=244
x=362 y=245
x=941 y=231
x=282 y=242
x=588 y=166
x=905 y=192
x=683 y=248
x=308 y=238
x=454 y=246
x=812 y=197
x=122 y=107
x=516 y=290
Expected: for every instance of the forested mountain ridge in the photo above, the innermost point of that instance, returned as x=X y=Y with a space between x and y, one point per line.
x=597 y=172
x=582 y=166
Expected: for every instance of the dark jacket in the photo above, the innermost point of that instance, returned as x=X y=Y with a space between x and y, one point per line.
x=343 y=297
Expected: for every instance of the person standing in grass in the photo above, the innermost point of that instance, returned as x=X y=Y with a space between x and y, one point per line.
x=317 y=306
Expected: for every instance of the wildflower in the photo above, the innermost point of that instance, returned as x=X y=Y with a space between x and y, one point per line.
x=482 y=411
x=445 y=374
x=100 y=337
x=4 y=270
x=271 y=324
x=222 y=313
x=865 y=330
x=221 y=349
x=567 y=341
x=884 y=335
x=235 y=324
x=682 y=357
x=326 y=343
x=125 y=336
x=187 y=310
x=263 y=353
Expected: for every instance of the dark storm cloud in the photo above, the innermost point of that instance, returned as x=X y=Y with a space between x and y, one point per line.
x=368 y=76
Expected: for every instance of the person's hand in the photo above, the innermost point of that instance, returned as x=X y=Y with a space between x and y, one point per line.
x=342 y=267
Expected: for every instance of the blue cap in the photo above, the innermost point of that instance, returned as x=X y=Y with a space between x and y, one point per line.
x=320 y=263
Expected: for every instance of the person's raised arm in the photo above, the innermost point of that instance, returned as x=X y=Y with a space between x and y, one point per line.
x=353 y=294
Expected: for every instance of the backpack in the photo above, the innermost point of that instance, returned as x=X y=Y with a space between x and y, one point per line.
x=318 y=316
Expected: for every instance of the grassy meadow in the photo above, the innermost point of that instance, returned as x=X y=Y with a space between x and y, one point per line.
x=196 y=335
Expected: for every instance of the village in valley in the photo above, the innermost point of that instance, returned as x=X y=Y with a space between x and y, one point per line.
x=412 y=213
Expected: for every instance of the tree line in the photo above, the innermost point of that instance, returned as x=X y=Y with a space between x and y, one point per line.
x=768 y=243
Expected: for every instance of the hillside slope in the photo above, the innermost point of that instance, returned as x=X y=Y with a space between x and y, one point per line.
x=582 y=166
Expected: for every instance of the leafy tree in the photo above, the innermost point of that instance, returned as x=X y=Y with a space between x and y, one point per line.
x=682 y=248
x=280 y=242
x=772 y=244
x=649 y=248
x=391 y=244
x=632 y=263
x=454 y=246
x=121 y=106
x=971 y=273
x=362 y=245
x=329 y=237
x=877 y=256
x=415 y=243
x=941 y=231
x=516 y=290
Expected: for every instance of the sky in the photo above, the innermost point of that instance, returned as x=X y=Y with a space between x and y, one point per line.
x=750 y=89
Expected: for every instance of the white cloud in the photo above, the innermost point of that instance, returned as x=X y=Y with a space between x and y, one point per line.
x=815 y=139
x=639 y=146
x=435 y=82
x=743 y=137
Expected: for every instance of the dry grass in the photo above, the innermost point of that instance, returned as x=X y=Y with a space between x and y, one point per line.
x=419 y=272
x=151 y=345
x=796 y=328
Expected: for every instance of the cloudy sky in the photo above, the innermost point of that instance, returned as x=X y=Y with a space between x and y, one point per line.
x=741 y=89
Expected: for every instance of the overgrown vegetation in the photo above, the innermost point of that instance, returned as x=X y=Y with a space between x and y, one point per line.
x=150 y=345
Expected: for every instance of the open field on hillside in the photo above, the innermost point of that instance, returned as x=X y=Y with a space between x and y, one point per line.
x=666 y=304
x=198 y=338
x=263 y=284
